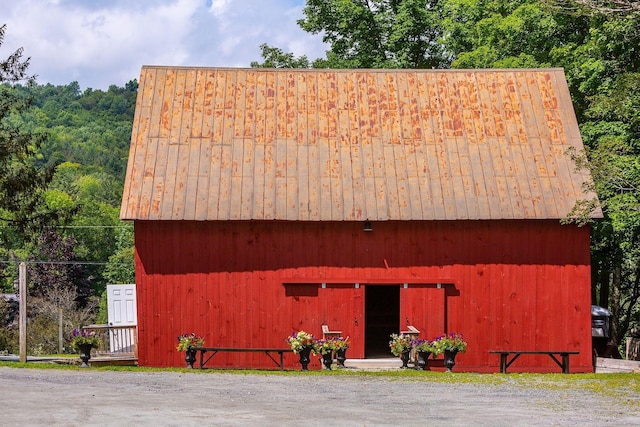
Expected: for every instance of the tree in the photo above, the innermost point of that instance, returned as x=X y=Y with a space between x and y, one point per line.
x=377 y=33
x=276 y=58
x=53 y=270
x=21 y=183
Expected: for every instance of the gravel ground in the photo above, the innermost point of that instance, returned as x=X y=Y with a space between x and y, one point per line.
x=87 y=397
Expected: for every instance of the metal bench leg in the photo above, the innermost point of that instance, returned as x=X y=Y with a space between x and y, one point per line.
x=503 y=363
x=565 y=363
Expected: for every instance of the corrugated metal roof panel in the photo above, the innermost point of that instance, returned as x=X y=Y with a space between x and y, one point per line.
x=346 y=145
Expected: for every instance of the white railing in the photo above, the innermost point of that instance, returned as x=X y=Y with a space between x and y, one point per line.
x=116 y=340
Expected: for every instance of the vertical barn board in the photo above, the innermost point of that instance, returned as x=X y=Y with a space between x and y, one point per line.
x=359 y=207
x=342 y=110
x=291 y=107
x=314 y=195
x=179 y=196
x=332 y=107
x=394 y=117
x=280 y=181
x=204 y=177
x=363 y=120
x=347 y=182
x=312 y=126
x=301 y=112
x=323 y=108
x=380 y=179
x=335 y=175
x=214 y=179
x=235 y=191
x=459 y=194
x=413 y=93
x=231 y=93
x=167 y=103
x=280 y=106
x=250 y=106
x=186 y=119
x=224 y=185
x=302 y=178
x=176 y=105
x=240 y=105
x=292 y=211
x=217 y=122
x=260 y=107
x=269 y=180
x=258 y=180
x=141 y=130
x=207 y=104
x=373 y=94
x=404 y=195
x=192 y=177
x=271 y=112
x=392 y=193
x=248 y=168
x=435 y=183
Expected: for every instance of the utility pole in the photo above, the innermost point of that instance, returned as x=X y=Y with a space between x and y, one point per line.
x=22 y=289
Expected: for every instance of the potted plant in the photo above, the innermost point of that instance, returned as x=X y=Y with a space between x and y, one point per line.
x=400 y=345
x=187 y=343
x=424 y=348
x=341 y=344
x=302 y=343
x=326 y=348
x=449 y=345
x=83 y=341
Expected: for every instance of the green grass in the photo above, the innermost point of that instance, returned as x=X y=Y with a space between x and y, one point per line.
x=624 y=387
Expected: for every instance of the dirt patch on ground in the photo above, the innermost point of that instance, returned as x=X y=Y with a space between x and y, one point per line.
x=87 y=397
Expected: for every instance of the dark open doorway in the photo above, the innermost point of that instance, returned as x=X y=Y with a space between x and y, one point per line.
x=382 y=318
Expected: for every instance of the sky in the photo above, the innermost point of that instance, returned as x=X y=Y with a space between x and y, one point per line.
x=99 y=43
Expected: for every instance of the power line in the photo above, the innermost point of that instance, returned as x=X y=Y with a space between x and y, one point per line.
x=62 y=262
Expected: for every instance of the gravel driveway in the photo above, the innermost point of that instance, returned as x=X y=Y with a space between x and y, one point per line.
x=34 y=397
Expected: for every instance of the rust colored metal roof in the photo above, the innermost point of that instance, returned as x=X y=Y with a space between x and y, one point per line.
x=342 y=145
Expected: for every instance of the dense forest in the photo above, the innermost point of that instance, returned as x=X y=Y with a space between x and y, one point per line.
x=63 y=154
x=62 y=218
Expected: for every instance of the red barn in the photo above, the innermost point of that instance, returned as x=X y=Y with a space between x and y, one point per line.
x=250 y=190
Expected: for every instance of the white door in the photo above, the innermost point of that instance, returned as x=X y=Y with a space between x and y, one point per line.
x=122 y=315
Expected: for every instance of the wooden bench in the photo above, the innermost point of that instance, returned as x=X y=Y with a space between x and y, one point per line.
x=412 y=331
x=267 y=351
x=326 y=333
x=505 y=362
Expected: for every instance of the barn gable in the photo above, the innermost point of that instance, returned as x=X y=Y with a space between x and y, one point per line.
x=351 y=145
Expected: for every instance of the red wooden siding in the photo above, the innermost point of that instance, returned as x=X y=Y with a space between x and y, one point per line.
x=507 y=284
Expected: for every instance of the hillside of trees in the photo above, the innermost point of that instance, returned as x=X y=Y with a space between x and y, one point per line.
x=63 y=156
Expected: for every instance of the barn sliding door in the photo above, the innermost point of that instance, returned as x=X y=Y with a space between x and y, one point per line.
x=424 y=307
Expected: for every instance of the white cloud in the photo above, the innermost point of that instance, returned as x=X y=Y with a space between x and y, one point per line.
x=106 y=42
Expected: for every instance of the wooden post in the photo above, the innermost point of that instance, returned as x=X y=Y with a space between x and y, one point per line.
x=60 y=331
x=22 y=289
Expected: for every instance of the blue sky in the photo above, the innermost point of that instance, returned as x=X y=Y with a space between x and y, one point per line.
x=103 y=42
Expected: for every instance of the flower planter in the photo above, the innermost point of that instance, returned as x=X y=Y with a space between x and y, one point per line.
x=190 y=357
x=341 y=356
x=423 y=359
x=327 y=360
x=450 y=359
x=305 y=352
x=404 y=356
x=85 y=354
